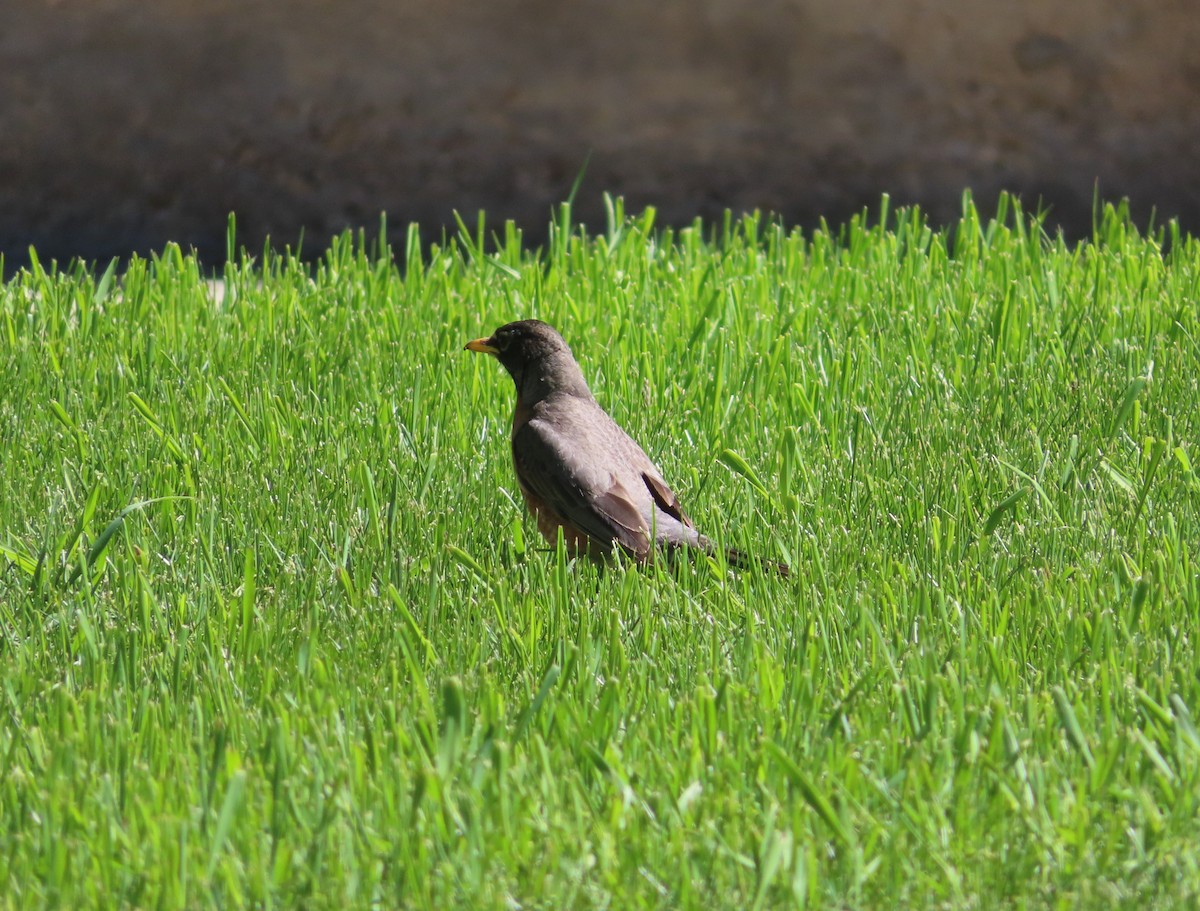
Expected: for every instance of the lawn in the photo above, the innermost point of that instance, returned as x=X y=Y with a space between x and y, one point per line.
x=276 y=631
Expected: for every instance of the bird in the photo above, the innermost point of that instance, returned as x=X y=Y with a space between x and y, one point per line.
x=577 y=469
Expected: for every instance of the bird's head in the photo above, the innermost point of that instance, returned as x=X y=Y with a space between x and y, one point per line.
x=535 y=356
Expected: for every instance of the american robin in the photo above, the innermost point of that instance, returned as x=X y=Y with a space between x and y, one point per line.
x=577 y=469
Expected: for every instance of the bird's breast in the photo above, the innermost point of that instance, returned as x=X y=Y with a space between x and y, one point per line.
x=521 y=416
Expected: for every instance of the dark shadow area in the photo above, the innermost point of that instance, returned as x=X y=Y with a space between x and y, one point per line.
x=128 y=126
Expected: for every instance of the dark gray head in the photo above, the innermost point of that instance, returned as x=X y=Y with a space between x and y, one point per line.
x=536 y=357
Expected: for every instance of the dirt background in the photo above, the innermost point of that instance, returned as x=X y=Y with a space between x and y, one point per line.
x=125 y=124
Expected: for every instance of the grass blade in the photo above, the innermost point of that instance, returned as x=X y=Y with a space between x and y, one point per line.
x=814 y=798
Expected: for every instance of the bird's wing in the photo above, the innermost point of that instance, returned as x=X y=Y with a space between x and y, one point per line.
x=665 y=498
x=589 y=496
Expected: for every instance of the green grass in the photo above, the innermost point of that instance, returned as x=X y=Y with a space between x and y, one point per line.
x=277 y=633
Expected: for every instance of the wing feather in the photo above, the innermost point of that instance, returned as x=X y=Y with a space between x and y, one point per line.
x=595 y=503
x=665 y=498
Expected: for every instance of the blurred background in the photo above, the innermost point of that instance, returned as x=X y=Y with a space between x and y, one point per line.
x=124 y=124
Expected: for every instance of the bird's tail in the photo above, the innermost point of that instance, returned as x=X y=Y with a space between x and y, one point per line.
x=739 y=559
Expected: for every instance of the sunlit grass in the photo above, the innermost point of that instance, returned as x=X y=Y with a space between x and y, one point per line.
x=277 y=632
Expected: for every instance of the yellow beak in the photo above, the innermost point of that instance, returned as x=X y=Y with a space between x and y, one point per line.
x=481 y=345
